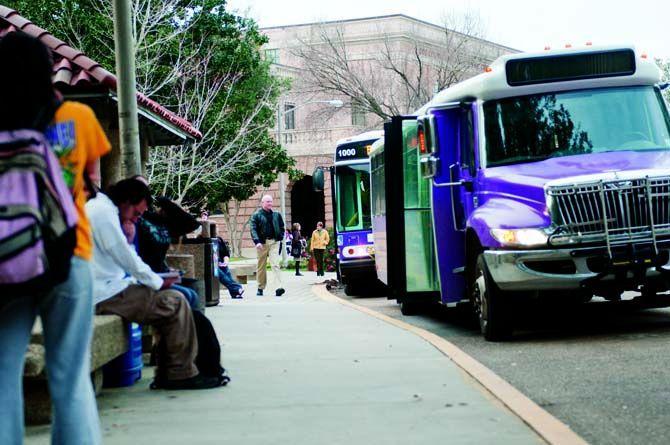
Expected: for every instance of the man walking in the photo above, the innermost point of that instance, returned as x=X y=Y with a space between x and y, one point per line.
x=267 y=229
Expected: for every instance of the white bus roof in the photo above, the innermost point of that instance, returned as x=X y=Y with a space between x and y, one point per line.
x=493 y=83
x=367 y=136
x=375 y=146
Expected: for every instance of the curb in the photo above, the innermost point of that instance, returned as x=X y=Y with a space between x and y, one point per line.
x=548 y=427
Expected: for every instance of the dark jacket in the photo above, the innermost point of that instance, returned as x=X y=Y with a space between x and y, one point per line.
x=260 y=225
x=224 y=251
x=296 y=245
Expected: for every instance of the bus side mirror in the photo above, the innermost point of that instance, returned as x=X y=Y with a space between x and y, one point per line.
x=427 y=141
x=317 y=180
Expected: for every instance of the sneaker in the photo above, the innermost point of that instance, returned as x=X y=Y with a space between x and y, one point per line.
x=259 y=292
x=195 y=382
x=279 y=292
x=298 y=274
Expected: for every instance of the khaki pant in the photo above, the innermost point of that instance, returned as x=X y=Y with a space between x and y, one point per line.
x=269 y=249
x=169 y=313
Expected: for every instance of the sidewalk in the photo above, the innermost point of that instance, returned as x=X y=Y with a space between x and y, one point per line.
x=307 y=371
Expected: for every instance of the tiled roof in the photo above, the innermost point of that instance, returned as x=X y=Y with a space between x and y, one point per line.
x=72 y=68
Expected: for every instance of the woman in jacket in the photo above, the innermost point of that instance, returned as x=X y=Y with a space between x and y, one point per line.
x=296 y=247
x=318 y=244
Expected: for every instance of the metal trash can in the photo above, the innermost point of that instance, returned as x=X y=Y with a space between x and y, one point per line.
x=205 y=258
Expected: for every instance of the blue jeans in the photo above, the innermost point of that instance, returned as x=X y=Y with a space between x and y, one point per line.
x=190 y=295
x=67 y=320
x=227 y=280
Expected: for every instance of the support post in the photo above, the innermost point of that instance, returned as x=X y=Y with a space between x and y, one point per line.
x=126 y=88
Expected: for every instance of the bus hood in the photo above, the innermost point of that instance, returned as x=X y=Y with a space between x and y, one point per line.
x=526 y=182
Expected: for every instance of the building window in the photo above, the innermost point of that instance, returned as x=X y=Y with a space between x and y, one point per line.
x=357 y=115
x=289 y=116
x=272 y=55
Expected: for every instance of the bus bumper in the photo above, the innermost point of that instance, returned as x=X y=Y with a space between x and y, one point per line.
x=565 y=269
x=358 y=267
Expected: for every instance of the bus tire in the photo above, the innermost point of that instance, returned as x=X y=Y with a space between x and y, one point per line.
x=492 y=306
x=409 y=307
x=349 y=289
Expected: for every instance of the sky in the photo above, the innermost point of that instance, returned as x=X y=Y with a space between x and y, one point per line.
x=527 y=25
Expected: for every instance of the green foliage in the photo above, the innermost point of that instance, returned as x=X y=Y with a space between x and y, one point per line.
x=230 y=43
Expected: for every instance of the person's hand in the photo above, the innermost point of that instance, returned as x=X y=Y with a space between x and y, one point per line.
x=259 y=246
x=226 y=260
x=168 y=282
x=128 y=228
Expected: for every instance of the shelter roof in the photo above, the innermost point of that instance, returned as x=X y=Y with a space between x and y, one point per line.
x=74 y=71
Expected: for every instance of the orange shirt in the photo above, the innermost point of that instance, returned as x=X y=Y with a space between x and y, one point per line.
x=77 y=139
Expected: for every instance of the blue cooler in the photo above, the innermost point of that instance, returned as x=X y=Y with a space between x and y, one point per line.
x=126 y=369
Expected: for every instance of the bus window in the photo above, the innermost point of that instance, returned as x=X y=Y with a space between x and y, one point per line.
x=353 y=197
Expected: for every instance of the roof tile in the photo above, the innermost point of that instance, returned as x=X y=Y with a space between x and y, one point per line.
x=74 y=68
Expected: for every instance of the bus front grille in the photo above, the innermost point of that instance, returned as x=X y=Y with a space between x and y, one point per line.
x=613 y=211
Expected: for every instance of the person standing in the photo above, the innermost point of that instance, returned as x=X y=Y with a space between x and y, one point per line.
x=76 y=137
x=296 y=247
x=267 y=230
x=318 y=244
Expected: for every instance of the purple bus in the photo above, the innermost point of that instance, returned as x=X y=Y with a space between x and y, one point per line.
x=353 y=224
x=547 y=175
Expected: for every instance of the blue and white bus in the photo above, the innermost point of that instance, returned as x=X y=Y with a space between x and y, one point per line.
x=353 y=224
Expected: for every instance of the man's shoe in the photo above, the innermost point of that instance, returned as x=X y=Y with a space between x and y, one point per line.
x=259 y=292
x=298 y=274
x=195 y=382
x=279 y=292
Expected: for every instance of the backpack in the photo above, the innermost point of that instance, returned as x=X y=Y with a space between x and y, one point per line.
x=208 y=359
x=37 y=216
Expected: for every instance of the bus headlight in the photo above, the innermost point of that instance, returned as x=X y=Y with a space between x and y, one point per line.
x=520 y=237
x=340 y=240
x=355 y=251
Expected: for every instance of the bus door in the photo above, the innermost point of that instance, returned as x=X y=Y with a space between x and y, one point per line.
x=412 y=264
x=448 y=162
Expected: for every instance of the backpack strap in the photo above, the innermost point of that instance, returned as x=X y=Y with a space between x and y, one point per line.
x=17 y=211
x=19 y=241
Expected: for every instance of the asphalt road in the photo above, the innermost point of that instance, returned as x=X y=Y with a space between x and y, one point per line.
x=602 y=368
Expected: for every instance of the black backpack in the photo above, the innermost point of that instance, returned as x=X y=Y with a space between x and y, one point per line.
x=208 y=359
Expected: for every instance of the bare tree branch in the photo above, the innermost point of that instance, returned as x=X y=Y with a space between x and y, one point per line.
x=400 y=74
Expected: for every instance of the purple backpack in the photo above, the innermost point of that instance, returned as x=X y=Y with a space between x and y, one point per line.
x=37 y=216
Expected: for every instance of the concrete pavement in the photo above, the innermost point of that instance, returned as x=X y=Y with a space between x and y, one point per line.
x=309 y=371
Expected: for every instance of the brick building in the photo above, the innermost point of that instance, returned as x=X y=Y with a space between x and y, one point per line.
x=309 y=126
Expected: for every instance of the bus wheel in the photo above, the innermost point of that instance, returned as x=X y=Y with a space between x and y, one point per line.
x=409 y=307
x=492 y=306
x=349 y=289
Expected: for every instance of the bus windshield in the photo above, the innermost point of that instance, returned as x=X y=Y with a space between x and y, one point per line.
x=353 y=197
x=537 y=127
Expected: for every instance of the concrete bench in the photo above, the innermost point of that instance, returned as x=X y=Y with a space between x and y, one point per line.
x=242 y=272
x=110 y=340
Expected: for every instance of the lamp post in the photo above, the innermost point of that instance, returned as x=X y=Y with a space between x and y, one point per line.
x=336 y=103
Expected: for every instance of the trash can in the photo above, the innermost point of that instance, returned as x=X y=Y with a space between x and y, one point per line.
x=126 y=369
x=205 y=257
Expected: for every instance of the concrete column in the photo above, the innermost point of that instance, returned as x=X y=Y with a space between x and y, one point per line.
x=126 y=88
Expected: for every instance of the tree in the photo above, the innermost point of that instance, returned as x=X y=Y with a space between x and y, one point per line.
x=401 y=73
x=203 y=63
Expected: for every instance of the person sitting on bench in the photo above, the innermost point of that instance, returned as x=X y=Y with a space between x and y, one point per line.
x=124 y=285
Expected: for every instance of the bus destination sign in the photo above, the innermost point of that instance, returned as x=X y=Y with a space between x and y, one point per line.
x=360 y=150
